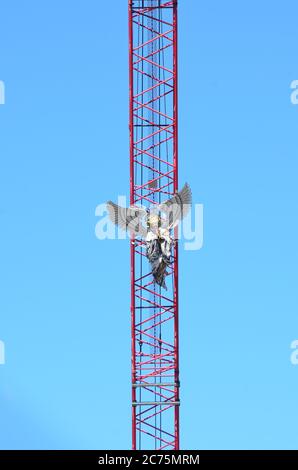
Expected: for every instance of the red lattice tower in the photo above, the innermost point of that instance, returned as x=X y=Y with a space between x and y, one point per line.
x=153 y=178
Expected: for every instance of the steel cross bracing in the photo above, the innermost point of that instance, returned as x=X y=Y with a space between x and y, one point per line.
x=153 y=178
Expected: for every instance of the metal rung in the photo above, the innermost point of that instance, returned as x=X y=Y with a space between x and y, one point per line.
x=153 y=403
x=135 y=8
x=151 y=125
x=173 y=384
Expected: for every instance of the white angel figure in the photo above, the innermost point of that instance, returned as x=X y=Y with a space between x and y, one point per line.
x=158 y=222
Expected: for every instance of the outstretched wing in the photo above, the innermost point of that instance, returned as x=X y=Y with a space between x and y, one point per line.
x=127 y=218
x=177 y=207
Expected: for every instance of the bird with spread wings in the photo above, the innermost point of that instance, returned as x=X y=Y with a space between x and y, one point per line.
x=154 y=225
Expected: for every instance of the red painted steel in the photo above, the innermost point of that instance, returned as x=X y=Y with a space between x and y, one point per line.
x=153 y=110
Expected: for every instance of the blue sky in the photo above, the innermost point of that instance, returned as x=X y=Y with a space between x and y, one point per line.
x=64 y=304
